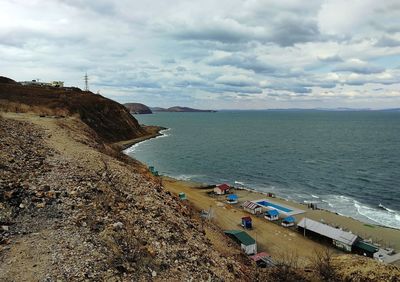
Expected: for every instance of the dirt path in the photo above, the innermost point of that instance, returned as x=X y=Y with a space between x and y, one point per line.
x=27 y=259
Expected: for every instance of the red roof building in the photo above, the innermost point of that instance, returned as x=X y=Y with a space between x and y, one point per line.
x=222 y=189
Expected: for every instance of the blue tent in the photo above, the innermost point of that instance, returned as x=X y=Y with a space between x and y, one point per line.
x=232 y=197
x=272 y=213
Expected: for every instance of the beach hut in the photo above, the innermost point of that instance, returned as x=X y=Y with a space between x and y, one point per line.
x=272 y=215
x=247 y=243
x=341 y=239
x=221 y=189
x=182 y=196
x=288 y=221
x=252 y=207
x=232 y=199
x=365 y=249
x=246 y=222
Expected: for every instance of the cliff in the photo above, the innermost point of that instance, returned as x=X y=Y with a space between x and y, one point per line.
x=137 y=108
x=110 y=120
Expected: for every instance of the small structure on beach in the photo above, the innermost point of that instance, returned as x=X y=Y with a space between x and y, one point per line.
x=247 y=222
x=288 y=221
x=341 y=239
x=182 y=196
x=247 y=243
x=365 y=249
x=153 y=171
x=232 y=199
x=222 y=189
x=252 y=207
x=272 y=215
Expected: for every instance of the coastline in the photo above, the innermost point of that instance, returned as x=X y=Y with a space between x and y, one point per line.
x=271 y=237
x=152 y=132
x=198 y=197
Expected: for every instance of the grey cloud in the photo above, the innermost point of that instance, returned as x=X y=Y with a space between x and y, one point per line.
x=235 y=89
x=239 y=81
x=358 y=67
x=243 y=61
x=331 y=59
x=386 y=41
x=290 y=31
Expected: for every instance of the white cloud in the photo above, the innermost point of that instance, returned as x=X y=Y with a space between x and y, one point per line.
x=210 y=53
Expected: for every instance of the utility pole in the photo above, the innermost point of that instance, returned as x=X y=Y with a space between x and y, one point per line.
x=86 y=82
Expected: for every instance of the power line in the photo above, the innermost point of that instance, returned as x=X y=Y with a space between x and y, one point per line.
x=86 y=82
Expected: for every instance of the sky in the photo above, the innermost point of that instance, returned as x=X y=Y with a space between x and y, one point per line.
x=225 y=54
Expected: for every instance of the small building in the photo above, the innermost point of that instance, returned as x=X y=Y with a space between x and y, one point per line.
x=182 y=196
x=58 y=84
x=365 y=249
x=288 y=221
x=247 y=222
x=232 y=199
x=272 y=215
x=222 y=189
x=247 y=243
x=341 y=239
x=252 y=207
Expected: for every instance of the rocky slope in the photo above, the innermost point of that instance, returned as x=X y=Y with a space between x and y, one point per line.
x=137 y=108
x=110 y=120
x=71 y=210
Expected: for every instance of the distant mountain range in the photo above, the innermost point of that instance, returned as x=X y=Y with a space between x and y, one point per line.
x=137 y=108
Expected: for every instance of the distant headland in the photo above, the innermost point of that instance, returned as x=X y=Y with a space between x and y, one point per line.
x=137 y=108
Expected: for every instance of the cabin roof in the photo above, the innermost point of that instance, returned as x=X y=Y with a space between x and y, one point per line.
x=272 y=212
x=328 y=231
x=251 y=205
x=241 y=236
x=223 y=186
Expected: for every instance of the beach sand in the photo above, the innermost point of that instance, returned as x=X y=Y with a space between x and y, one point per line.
x=276 y=240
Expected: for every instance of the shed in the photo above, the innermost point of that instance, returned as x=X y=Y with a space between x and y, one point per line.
x=288 y=221
x=182 y=196
x=232 y=199
x=341 y=239
x=222 y=189
x=247 y=243
x=247 y=222
x=252 y=207
x=365 y=249
x=272 y=215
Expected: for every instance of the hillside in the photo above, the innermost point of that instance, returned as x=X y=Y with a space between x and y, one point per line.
x=178 y=109
x=137 y=108
x=74 y=208
x=110 y=120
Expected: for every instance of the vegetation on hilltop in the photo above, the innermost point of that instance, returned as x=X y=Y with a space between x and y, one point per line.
x=110 y=120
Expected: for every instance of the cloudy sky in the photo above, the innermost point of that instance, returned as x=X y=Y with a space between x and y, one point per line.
x=225 y=54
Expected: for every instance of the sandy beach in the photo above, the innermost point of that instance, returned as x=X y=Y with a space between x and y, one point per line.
x=271 y=237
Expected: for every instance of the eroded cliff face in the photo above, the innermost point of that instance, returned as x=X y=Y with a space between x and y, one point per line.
x=110 y=120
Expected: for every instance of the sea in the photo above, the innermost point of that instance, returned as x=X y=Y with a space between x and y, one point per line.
x=347 y=162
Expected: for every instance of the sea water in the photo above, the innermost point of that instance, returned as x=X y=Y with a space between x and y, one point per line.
x=346 y=162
